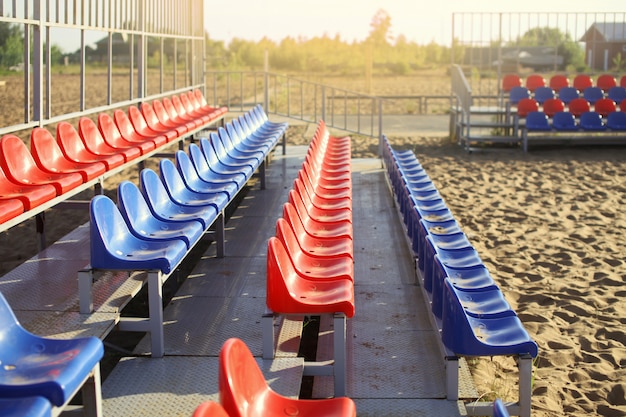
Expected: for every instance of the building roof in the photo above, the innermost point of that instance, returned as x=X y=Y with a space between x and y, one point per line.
x=605 y=32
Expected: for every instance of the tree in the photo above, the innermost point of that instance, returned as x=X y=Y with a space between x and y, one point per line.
x=11 y=45
x=571 y=52
x=381 y=25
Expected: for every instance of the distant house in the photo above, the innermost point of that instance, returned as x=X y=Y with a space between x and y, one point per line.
x=603 y=41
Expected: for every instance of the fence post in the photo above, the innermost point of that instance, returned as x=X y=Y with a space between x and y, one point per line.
x=324 y=103
x=266 y=75
x=380 y=127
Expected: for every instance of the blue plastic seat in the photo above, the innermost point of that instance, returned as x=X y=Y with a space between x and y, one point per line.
x=265 y=122
x=475 y=278
x=592 y=121
x=143 y=223
x=231 y=159
x=424 y=228
x=25 y=407
x=567 y=94
x=219 y=166
x=518 y=93
x=180 y=194
x=617 y=94
x=34 y=366
x=436 y=243
x=499 y=409
x=113 y=246
x=209 y=175
x=564 y=121
x=194 y=182
x=471 y=336
x=486 y=303
x=248 y=136
x=238 y=148
x=543 y=93
x=537 y=121
x=164 y=208
x=616 y=121
x=593 y=94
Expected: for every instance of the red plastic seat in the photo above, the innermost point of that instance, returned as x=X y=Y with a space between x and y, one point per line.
x=604 y=106
x=535 y=81
x=316 y=228
x=324 y=203
x=191 y=122
x=140 y=125
x=319 y=247
x=49 y=157
x=526 y=105
x=166 y=118
x=30 y=196
x=197 y=117
x=322 y=215
x=245 y=393
x=605 y=82
x=328 y=182
x=558 y=81
x=343 y=193
x=552 y=106
x=582 y=81
x=622 y=81
x=509 y=81
x=128 y=132
x=290 y=293
x=19 y=166
x=95 y=143
x=210 y=409
x=308 y=266
x=158 y=125
x=113 y=136
x=622 y=105
x=10 y=208
x=578 y=106
x=191 y=110
x=201 y=100
x=74 y=149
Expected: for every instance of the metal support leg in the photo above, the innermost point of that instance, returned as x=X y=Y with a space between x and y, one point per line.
x=85 y=300
x=285 y=143
x=155 y=308
x=262 y=174
x=92 y=394
x=267 y=327
x=220 y=235
x=452 y=378
x=525 y=365
x=40 y=226
x=340 y=353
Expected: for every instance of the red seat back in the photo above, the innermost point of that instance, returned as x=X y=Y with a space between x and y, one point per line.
x=558 y=81
x=509 y=81
x=210 y=409
x=535 y=81
x=604 y=106
x=552 y=106
x=578 y=106
x=606 y=81
x=582 y=81
x=526 y=105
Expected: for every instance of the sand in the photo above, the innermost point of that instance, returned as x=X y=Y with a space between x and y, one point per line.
x=550 y=225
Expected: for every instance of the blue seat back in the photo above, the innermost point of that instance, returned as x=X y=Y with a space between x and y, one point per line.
x=567 y=94
x=543 y=93
x=499 y=409
x=593 y=94
x=616 y=121
x=518 y=93
x=565 y=121
x=592 y=120
x=617 y=94
x=537 y=121
x=109 y=231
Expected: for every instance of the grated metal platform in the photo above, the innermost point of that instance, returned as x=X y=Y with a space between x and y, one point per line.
x=394 y=365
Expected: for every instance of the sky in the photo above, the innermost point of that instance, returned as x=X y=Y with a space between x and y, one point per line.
x=418 y=20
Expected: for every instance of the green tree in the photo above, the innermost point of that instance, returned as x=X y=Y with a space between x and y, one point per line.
x=565 y=46
x=11 y=45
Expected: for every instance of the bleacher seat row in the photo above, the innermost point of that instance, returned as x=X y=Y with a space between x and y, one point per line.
x=52 y=170
x=467 y=306
x=154 y=226
x=310 y=260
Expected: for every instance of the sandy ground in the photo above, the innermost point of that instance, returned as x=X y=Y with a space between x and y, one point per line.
x=550 y=225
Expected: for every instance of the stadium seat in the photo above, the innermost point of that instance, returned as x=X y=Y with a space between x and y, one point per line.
x=331 y=268
x=582 y=81
x=145 y=225
x=578 y=106
x=534 y=81
x=323 y=203
x=191 y=110
x=484 y=303
x=25 y=407
x=564 y=121
x=622 y=105
x=499 y=409
x=604 y=106
x=164 y=208
x=198 y=118
x=552 y=106
x=567 y=94
x=201 y=101
x=238 y=150
x=244 y=391
x=95 y=143
x=182 y=195
x=622 y=81
x=206 y=173
x=558 y=81
x=219 y=166
x=606 y=82
x=194 y=182
x=316 y=228
x=10 y=207
x=128 y=132
x=617 y=94
x=49 y=157
x=537 y=121
x=518 y=93
x=171 y=119
x=112 y=135
x=19 y=167
x=55 y=369
x=475 y=278
x=141 y=126
x=592 y=120
x=113 y=246
x=509 y=81
x=593 y=94
x=543 y=93
x=616 y=121
x=174 y=114
x=74 y=148
x=525 y=106
x=160 y=124
x=210 y=409
x=30 y=196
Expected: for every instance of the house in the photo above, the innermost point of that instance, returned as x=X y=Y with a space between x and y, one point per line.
x=603 y=41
